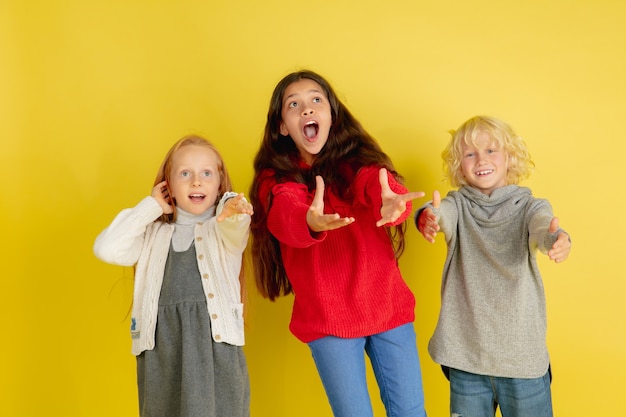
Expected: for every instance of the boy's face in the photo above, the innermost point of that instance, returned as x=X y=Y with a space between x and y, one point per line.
x=306 y=117
x=485 y=165
x=195 y=178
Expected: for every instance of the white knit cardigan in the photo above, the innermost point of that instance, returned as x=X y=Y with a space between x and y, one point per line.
x=134 y=238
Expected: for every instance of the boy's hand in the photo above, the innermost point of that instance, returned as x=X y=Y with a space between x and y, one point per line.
x=560 y=250
x=161 y=194
x=315 y=217
x=235 y=205
x=393 y=204
x=427 y=222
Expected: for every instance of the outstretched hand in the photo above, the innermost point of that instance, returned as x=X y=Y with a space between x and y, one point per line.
x=393 y=204
x=427 y=222
x=560 y=249
x=235 y=205
x=315 y=217
x=161 y=193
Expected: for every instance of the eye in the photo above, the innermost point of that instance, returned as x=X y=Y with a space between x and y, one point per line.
x=185 y=174
x=317 y=100
x=292 y=105
x=468 y=154
x=207 y=174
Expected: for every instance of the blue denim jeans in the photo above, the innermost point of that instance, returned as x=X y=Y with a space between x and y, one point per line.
x=474 y=395
x=393 y=354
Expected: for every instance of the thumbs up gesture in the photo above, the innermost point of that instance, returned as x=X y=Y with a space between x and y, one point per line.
x=428 y=222
x=560 y=250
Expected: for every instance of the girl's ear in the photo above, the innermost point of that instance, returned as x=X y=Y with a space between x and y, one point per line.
x=283 y=129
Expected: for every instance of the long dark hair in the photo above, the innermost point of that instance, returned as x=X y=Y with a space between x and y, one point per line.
x=348 y=146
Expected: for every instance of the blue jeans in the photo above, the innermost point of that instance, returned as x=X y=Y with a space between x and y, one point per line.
x=393 y=354
x=474 y=395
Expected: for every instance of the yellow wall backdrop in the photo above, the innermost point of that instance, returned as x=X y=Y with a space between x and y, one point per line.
x=93 y=93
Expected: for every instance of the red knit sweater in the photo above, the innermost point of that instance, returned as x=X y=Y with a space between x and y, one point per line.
x=346 y=281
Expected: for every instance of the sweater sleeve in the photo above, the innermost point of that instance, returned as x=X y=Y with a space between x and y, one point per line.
x=286 y=218
x=448 y=215
x=539 y=236
x=121 y=242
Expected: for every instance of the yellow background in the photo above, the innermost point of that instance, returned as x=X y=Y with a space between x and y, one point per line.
x=93 y=93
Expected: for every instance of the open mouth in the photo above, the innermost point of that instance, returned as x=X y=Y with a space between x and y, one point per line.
x=197 y=198
x=484 y=172
x=310 y=129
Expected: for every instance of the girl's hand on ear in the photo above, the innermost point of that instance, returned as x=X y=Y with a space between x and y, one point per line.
x=161 y=193
x=560 y=250
x=315 y=217
x=393 y=204
x=235 y=205
x=427 y=222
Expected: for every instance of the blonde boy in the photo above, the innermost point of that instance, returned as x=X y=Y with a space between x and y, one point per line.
x=491 y=335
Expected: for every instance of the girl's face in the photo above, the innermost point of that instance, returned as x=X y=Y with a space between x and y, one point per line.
x=485 y=165
x=306 y=117
x=195 y=179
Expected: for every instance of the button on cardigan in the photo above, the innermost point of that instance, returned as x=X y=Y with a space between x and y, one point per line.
x=134 y=238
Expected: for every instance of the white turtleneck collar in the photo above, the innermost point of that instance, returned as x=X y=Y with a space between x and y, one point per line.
x=184 y=227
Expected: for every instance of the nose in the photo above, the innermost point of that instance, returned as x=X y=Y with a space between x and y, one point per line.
x=482 y=158
x=307 y=111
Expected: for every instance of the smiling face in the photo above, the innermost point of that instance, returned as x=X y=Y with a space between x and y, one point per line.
x=306 y=117
x=484 y=164
x=195 y=178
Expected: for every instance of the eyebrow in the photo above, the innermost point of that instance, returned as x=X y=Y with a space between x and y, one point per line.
x=313 y=90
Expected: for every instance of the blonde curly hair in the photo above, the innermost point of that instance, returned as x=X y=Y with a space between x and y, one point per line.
x=520 y=166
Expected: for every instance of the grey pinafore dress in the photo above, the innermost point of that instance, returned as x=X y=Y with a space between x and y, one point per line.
x=187 y=374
